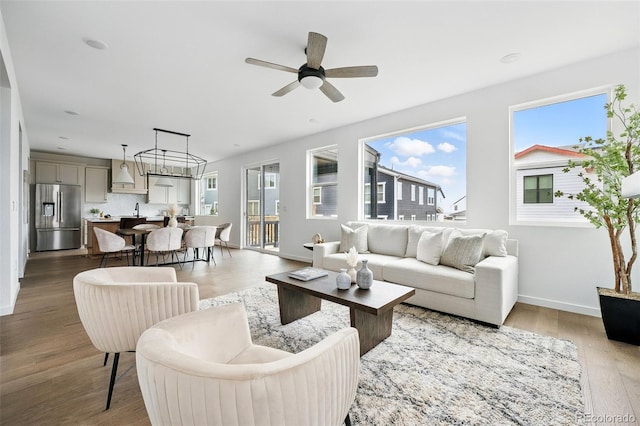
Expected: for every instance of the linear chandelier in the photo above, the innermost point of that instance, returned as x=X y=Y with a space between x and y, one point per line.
x=168 y=163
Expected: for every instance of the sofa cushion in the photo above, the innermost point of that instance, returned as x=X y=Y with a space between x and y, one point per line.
x=430 y=247
x=463 y=251
x=355 y=236
x=387 y=239
x=413 y=236
x=495 y=241
x=440 y=279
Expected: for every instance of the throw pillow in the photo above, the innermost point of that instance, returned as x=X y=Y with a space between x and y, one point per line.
x=463 y=252
x=430 y=247
x=495 y=243
x=354 y=238
x=414 y=233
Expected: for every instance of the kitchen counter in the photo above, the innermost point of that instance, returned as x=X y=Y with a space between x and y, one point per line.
x=117 y=219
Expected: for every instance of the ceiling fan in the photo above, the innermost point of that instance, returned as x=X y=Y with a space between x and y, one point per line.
x=312 y=76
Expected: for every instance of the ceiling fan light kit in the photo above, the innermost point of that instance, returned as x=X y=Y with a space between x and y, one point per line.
x=312 y=75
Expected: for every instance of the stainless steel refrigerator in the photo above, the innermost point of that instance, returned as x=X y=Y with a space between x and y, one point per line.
x=58 y=212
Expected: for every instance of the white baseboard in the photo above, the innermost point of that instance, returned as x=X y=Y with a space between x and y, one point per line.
x=8 y=309
x=561 y=306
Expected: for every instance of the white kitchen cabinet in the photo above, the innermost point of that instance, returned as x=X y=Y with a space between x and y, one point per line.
x=68 y=174
x=179 y=193
x=139 y=186
x=96 y=184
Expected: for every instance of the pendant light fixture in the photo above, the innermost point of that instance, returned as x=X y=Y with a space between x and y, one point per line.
x=164 y=181
x=123 y=175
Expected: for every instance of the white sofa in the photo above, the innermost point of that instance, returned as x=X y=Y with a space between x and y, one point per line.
x=486 y=295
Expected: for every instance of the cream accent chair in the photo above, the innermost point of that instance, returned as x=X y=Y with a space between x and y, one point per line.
x=117 y=304
x=223 y=233
x=200 y=237
x=165 y=240
x=202 y=369
x=108 y=242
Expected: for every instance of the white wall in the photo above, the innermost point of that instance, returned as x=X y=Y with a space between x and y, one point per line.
x=559 y=266
x=12 y=249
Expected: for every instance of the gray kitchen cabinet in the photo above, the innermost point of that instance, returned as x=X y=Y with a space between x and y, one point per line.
x=96 y=184
x=68 y=174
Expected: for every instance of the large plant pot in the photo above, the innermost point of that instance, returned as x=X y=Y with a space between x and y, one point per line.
x=621 y=317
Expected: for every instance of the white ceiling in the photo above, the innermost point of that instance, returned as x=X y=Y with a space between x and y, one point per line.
x=179 y=65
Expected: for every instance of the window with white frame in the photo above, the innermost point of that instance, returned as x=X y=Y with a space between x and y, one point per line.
x=431 y=196
x=253 y=207
x=544 y=137
x=413 y=217
x=420 y=195
x=399 y=195
x=270 y=180
x=207 y=188
x=401 y=217
x=323 y=182
x=277 y=207
x=380 y=193
x=413 y=192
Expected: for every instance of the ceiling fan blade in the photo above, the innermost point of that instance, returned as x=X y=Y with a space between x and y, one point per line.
x=316 y=45
x=331 y=92
x=286 y=89
x=270 y=65
x=350 y=72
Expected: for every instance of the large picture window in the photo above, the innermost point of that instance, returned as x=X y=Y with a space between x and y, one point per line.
x=545 y=136
x=323 y=182
x=431 y=161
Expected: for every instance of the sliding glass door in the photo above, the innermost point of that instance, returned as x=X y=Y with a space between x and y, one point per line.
x=262 y=210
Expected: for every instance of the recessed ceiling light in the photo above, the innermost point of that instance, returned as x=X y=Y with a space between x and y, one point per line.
x=62 y=149
x=96 y=44
x=510 y=58
x=63 y=137
x=71 y=112
x=313 y=121
x=237 y=145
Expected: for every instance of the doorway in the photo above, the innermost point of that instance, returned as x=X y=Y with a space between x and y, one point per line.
x=262 y=209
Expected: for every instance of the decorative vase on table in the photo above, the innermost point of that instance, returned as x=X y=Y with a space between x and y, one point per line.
x=343 y=281
x=364 y=278
x=352 y=274
x=173 y=222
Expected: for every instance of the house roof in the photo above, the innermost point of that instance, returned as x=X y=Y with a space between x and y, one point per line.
x=568 y=151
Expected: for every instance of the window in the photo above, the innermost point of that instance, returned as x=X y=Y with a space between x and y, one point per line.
x=323 y=182
x=207 y=189
x=277 y=207
x=538 y=189
x=401 y=217
x=427 y=157
x=212 y=183
x=317 y=195
x=544 y=136
x=270 y=180
x=413 y=217
x=254 y=207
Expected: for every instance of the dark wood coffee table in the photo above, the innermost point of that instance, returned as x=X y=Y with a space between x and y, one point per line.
x=371 y=311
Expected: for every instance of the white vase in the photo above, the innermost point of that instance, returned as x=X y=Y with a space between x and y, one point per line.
x=352 y=273
x=173 y=222
x=343 y=280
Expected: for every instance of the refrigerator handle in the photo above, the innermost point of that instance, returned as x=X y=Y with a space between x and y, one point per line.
x=60 y=207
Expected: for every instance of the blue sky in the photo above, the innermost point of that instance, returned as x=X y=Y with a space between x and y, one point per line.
x=436 y=155
x=560 y=124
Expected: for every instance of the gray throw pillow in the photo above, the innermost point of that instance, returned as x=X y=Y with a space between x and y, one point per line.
x=357 y=238
x=463 y=252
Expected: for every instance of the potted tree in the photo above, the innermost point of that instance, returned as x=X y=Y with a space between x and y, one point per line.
x=612 y=159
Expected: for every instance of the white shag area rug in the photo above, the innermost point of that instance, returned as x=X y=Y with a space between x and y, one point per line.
x=436 y=369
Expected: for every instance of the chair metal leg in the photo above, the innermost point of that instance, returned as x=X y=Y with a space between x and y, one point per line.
x=103 y=261
x=106 y=358
x=227 y=245
x=347 y=420
x=210 y=255
x=114 y=370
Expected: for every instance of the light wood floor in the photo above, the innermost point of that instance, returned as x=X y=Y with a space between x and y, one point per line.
x=50 y=373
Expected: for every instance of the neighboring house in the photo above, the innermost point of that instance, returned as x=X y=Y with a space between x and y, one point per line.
x=400 y=196
x=458 y=210
x=209 y=199
x=539 y=174
x=271 y=195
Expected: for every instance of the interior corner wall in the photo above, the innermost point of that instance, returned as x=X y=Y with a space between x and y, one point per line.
x=559 y=266
x=11 y=157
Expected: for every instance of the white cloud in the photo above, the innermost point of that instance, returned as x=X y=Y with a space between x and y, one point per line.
x=412 y=162
x=406 y=147
x=446 y=147
x=453 y=135
x=440 y=171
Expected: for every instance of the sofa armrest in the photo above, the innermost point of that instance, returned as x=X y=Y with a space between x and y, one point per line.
x=496 y=288
x=320 y=251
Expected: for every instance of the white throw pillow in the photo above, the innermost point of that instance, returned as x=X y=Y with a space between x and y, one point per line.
x=430 y=247
x=495 y=243
x=357 y=238
x=463 y=251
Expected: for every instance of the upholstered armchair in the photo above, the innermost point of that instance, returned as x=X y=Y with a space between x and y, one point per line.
x=165 y=240
x=203 y=237
x=203 y=369
x=117 y=304
x=223 y=233
x=108 y=242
